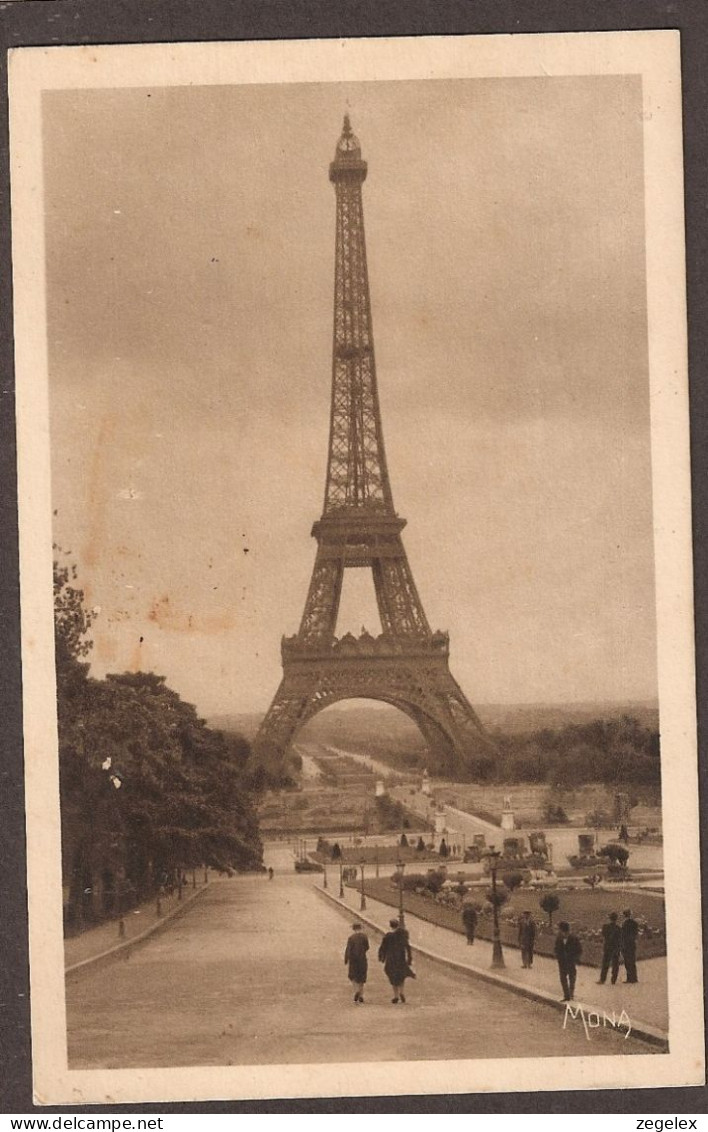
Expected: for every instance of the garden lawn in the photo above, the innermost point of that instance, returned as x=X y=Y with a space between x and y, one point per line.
x=585 y=910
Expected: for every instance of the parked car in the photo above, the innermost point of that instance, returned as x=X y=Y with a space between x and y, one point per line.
x=307 y=866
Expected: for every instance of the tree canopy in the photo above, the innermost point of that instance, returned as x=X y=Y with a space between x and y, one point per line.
x=142 y=777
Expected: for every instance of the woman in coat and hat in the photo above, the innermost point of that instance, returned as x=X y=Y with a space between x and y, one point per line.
x=395 y=954
x=355 y=958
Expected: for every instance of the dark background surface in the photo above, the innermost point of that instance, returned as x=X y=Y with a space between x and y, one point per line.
x=55 y=22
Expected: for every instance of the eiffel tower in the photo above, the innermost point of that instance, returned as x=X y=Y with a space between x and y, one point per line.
x=407 y=664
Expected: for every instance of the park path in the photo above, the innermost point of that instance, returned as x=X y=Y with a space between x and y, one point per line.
x=645 y=1001
x=253 y=973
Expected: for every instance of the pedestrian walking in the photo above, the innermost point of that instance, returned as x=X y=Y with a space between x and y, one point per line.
x=527 y=939
x=629 y=932
x=271 y=874
x=355 y=958
x=568 y=950
x=469 y=919
x=611 y=949
x=396 y=956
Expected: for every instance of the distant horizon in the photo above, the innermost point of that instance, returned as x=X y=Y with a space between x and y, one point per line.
x=378 y=705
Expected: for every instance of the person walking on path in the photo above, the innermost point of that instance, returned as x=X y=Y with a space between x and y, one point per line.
x=611 y=948
x=527 y=938
x=355 y=959
x=396 y=956
x=568 y=949
x=469 y=919
x=629 y=932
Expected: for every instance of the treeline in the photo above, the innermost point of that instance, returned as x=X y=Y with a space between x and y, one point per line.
x=613 y=752
x=147 y=790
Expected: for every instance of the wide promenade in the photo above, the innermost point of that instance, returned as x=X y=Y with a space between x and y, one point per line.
x=253 y=973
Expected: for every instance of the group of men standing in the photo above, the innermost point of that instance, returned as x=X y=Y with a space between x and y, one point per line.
x=619 y=946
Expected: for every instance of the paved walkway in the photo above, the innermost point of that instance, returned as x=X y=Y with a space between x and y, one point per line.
x=253 y=974
x=98 y=940
x=645 y=1002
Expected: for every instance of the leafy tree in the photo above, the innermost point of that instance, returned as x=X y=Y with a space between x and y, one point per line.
x=183 y=799
x=498 y=898
x=420 y=847
x=555 y=814
x=550 y=904
x=434 y=880
x=616 y=854
x=336 y=852
x=72 y=622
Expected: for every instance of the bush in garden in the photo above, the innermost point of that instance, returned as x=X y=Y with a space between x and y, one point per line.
x=498 y=898
x=411 y=881
x=615 y=854
x=512 y=881
x=435 y=880
x=592 y=879
x=550 y=904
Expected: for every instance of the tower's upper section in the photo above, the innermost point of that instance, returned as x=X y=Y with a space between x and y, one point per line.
x=357 y=479
x=347 y=162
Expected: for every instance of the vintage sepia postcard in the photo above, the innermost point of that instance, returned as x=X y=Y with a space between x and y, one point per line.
x=357 y=616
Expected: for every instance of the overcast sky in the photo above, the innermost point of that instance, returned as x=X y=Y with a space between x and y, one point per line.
x=190 y=252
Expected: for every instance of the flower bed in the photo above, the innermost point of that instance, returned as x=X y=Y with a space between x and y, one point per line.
x=586 y=912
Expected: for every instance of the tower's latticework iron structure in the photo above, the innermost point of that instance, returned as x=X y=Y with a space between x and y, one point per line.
x=407 y=665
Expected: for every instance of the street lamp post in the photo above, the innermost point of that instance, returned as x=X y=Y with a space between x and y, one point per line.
x=116 y=779
x=377 y=862
x=362 y=902
x=401 y=867
x=324 y=876
x=341 y=879
x=497 y=953
x=119 y=899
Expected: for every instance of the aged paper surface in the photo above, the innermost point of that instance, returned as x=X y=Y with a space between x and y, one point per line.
x=84 y=444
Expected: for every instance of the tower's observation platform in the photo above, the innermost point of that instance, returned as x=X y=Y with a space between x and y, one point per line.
x=347 y=162
x=407 y=664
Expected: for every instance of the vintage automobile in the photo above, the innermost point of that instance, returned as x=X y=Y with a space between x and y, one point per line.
x=541 y=878
x=305 y=865
x=519 y=854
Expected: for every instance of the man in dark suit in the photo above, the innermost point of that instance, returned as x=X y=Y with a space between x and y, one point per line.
x=568 y=950
x=527 y=938
x=629 y=932
x=611 y=948
x=469 y=920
